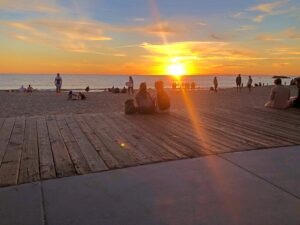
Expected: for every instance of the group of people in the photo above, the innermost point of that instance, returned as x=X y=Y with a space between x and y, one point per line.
x=74 y=96
x=238 y=82
x=145 y=103
x=280 y=97
x=29 y=89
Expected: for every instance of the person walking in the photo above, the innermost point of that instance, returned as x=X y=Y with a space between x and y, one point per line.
x=215 y=84
x=58 y=83
x=238 y=81
x=249 y=83
x=130 y=86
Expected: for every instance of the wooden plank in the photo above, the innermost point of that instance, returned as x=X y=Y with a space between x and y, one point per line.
x=29 y=165
x=110 y=161
x=195 y=135
x=241 y=134
x=149 y=150
x=123 y=157
x=184 y=132
x=47 y=167
x=1 y=122
x=144 y=141
x=261 y=121
x=236 y=129
x=284 y=138
x=5 y=133
x=9 y=170
x=119 y=139
x=137 y=132
x=93 y=159
x=216 y=133
x=158 y=131
x=63 y=163
x=78 y=159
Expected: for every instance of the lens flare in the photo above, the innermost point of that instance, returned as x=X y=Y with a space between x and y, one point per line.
x=176 y=70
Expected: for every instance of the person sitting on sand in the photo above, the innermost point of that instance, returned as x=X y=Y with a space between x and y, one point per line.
x=22 y=89
x=145 y=103
x=162 y=100
x=295 y=101
x=81 y=96
x=87 y=89
x=279 y=97
x=29 y=89
x=72 y=96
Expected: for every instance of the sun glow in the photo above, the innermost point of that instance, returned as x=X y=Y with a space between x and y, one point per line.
x=176 y=70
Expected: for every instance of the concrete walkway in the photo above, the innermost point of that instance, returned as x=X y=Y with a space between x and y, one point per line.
x=260 y=187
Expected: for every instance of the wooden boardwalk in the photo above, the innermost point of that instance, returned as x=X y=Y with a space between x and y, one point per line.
x=46 y=147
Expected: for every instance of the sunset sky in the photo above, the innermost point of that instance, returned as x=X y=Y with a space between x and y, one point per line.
x=150 y=36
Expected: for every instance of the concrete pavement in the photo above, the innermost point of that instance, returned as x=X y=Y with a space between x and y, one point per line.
x=258 y=187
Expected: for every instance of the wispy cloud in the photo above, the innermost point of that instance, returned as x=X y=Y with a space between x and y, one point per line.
x=269 y=8
x=138 y=19
x=267 y=38
x=245 y=28
x=30 y=5
x=72 y=35
x=292 y=33
x=260 y=12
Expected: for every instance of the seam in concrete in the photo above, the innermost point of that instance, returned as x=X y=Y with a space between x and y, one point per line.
x=43 y=206
x=259 y=177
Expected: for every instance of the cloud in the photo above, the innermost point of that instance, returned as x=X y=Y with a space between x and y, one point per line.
x=138 y=19
x=260 y=12
x=269 y=8
x=201 y=23
x=199 y=50
x=245 y=28
x=216 y=37
x=267 y=38
x=292 y=33
x=30 y=5
x=72 y=35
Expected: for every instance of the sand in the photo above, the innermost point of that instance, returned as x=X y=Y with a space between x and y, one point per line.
x=48 y=103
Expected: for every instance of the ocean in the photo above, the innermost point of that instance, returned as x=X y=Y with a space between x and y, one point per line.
x=46 y=82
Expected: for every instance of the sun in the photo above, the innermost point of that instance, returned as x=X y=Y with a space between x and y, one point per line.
x=176 y=70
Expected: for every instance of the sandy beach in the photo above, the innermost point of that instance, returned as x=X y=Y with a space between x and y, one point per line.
x=47 y=103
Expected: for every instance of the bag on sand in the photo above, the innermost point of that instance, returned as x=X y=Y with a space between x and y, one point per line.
x=129 y=107
x=163 y=101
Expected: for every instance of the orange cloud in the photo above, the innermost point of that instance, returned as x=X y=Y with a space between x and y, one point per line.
x=49 y=6
x=72 y=35
x=269 y=7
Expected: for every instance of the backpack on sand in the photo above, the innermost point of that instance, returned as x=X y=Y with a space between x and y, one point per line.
x=163 y=101
x=130 y=107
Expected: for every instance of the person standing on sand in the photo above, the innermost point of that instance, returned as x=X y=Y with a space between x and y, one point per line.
x=58 y=83
x=215 y=84
x=130 y=86
x=238 y=81
x=249 y=83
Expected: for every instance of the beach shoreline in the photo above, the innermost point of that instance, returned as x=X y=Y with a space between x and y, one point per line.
x=48 y=103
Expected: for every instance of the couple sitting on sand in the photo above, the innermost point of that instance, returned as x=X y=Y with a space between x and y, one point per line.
x=22 y=89
x=147 y=103
x=280 y=96
x=73 y=96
